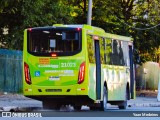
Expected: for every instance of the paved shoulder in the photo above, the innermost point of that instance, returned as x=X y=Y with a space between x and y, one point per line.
x=144 y=102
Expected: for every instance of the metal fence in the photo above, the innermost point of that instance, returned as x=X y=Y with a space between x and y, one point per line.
x=10 y=71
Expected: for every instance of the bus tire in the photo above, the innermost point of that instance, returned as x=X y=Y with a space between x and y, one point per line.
x=123 y=105
x=103 y=104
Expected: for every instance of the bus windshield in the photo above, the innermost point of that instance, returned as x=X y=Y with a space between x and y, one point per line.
x=46 y=41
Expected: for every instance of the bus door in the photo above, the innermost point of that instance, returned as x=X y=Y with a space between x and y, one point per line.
x=131 y=71
x=98 y=67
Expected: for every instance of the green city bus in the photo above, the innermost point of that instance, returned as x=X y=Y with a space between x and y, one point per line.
x=77 y=65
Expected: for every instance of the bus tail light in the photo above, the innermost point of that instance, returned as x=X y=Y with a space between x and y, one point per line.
x=81 y=73
x=27 y=73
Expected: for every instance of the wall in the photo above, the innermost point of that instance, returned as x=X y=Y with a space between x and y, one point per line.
x=147 y=76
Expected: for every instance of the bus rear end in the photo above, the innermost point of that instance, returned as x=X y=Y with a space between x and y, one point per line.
x=54 y=65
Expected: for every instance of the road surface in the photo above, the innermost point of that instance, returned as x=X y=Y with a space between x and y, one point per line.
x=140 y=106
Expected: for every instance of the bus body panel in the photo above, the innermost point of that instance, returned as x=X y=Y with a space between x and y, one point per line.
x=116 y=82
x=54 y=75
x=58 y=76
x=92 y=81
x=54 y=72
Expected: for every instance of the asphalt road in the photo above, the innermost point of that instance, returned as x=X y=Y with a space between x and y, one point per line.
x=140 y=107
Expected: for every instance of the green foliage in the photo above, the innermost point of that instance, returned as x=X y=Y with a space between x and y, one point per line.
x=136 y=18
x=147 y=17
x=90 y=48
x=18 y=15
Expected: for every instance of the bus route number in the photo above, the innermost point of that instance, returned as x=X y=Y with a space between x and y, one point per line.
x=64 y=65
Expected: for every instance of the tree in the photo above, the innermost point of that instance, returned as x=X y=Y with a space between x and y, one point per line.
x=9 y=12
x=22 y=14
x=146 y=19
x=135 y=18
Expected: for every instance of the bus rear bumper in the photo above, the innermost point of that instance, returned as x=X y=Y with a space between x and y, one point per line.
x=55 y=90
x=65 y=100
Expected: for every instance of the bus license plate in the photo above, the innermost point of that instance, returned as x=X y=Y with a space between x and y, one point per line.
x=54 y=78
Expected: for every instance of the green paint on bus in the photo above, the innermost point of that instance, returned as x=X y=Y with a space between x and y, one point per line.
x=60 y=65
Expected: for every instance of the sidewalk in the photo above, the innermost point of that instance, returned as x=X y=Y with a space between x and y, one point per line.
x=18 y=100
x=144 y=102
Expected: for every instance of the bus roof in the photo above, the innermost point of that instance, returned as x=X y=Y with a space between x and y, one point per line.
x=99 y=31
x=89 y=27
x=70 y=26
x=92 y=30
x=118 y=37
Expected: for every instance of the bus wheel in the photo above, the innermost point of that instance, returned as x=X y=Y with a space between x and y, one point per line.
x=123 y=105
x=103 y=103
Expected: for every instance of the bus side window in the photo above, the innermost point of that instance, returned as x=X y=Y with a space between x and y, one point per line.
x=125 y=50
x=114 y=55
x=108 y=51
x=117 y=55
x=91 y=49
x=102 y=50
x=121 y=54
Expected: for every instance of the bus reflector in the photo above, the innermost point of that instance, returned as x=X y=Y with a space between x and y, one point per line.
x=81 y=73
x=53 y=55
x=130 y=43
x=78 y=29
x=27 y=74
x=82 y=88
x=29 y=29
x=95 y=37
